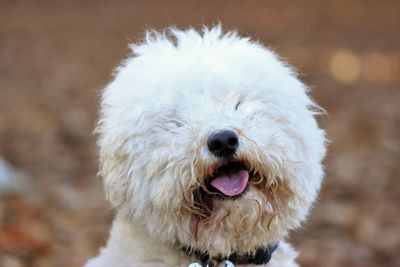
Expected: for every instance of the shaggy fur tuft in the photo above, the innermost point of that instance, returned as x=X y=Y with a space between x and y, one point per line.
x=177 y=89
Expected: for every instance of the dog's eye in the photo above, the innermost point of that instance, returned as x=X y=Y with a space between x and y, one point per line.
x=237 y=105
x=176 y=123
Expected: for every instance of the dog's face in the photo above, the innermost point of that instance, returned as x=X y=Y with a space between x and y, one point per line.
x=209 y=141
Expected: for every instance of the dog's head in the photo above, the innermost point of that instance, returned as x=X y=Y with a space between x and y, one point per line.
x=209 y=140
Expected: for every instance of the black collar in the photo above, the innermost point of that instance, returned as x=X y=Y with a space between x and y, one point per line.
x=262 y=256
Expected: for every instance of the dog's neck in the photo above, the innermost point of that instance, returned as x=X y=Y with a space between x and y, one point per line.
x=131 y=246
x=261 y=256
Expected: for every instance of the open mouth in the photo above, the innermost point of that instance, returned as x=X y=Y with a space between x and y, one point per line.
x=230 y=179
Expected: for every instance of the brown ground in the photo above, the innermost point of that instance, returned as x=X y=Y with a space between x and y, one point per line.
x=55 y=55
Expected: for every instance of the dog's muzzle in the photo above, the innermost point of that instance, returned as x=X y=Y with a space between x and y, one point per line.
x=223 y=143
x=229 y=179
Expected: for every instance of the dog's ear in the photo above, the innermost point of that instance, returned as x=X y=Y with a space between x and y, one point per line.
x=123 y=140
x=114 y=173
x=114 y=165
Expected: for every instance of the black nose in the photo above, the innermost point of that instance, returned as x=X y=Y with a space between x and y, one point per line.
x=223 y=143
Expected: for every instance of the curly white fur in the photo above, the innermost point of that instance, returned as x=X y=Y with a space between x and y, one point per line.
x=177 y=89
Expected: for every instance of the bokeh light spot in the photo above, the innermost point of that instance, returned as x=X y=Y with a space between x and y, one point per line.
x=345 y=66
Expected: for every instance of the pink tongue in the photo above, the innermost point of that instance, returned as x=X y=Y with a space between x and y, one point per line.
x=232 y=184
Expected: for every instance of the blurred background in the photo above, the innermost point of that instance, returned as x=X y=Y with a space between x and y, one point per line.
x=55 y=55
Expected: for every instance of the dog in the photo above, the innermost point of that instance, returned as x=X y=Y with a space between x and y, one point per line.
x=210 y=153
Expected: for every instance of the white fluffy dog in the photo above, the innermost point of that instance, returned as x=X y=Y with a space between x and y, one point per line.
x=209 y=152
